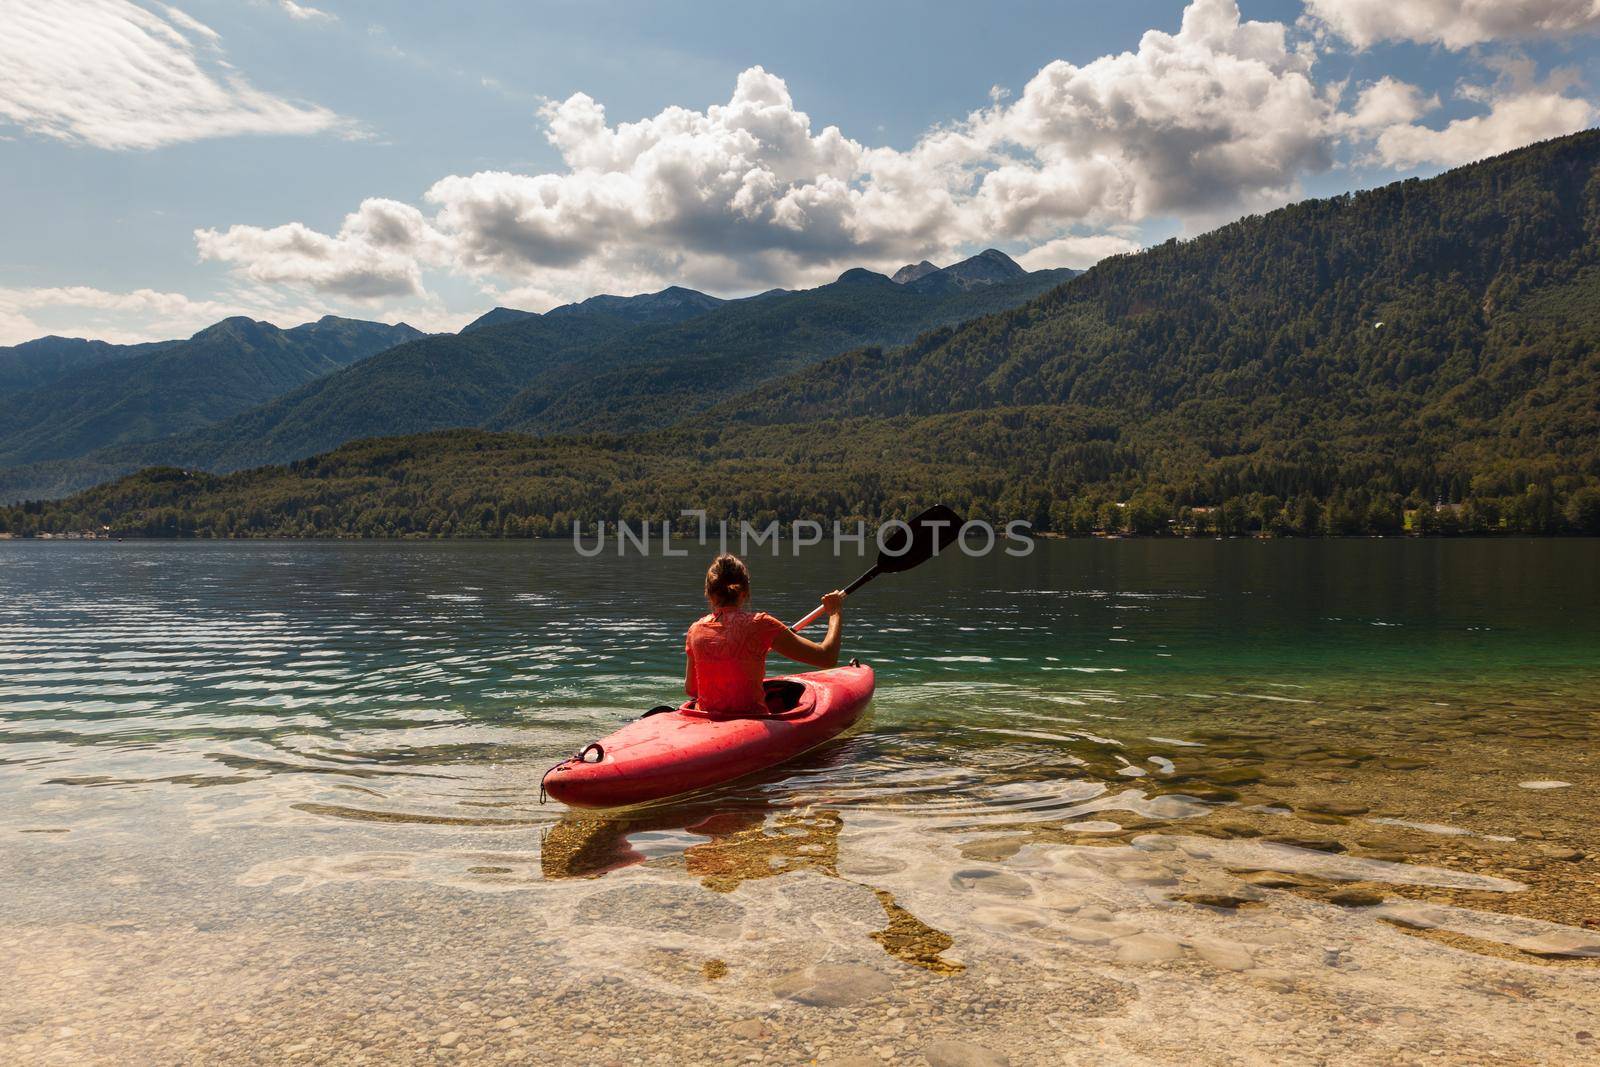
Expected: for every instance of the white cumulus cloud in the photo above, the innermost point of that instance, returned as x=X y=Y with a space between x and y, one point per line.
x=1077 y=251
x=1222 y=115
x=1455 y=24
x=377 y=253
x=113 y=74
x=1388 y=102
x=1516 y=116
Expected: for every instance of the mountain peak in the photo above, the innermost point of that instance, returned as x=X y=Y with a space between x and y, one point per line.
x=236 y=325
x=672 y=304
x=498 y=316
x=50 y=339
x=860 y=276
x=1001 y=260
x=989 y=267
x=334 y=326
x=912 y=271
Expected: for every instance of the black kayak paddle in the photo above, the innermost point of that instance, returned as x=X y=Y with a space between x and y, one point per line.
x=905 y=546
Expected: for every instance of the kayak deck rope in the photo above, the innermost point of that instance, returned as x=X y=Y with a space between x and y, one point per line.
x=582 y=757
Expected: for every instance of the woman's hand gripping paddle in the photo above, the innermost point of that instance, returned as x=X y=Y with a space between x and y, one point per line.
x=906 y=546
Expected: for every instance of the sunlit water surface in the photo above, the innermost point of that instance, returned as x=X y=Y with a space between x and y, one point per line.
x=1143 y=800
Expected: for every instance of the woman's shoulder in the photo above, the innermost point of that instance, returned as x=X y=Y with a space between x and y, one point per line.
x=760 y=620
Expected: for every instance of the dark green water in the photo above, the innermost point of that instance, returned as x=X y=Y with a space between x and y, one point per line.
x=216 y=662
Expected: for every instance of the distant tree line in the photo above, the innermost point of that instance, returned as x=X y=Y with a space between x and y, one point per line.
x=475 y=484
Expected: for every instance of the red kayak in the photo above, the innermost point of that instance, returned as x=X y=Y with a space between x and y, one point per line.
x=679 y=750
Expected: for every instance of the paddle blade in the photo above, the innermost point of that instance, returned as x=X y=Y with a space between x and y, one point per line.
x=919 y=540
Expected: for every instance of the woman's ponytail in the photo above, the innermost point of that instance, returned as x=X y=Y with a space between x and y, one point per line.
x=727 y=581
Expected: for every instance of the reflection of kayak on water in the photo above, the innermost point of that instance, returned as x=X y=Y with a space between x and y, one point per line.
x=741 y=846
x=679 y=750
x=737 y=844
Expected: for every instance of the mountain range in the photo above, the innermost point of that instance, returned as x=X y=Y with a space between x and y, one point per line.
x=607 y=363
x=118 y=394
x=37 y=363
x=1430 y=348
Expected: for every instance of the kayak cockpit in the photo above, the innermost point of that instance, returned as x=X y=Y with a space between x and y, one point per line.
x=784 y=698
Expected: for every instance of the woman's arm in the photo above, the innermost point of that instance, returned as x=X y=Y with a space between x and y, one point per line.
x=803 y=650
x=688 y=674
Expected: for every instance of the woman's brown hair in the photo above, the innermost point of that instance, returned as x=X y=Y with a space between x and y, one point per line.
x=727 y=581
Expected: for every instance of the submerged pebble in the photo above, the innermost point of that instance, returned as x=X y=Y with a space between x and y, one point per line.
x=1227 y=955
x=831 y=985
x=962 y=1054
x=1561 y=943
x=1147 y=948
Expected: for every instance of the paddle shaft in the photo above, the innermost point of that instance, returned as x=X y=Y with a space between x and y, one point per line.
x=816 y=612
x=920 y=540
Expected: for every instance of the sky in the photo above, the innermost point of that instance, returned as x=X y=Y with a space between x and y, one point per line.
x=163 y=166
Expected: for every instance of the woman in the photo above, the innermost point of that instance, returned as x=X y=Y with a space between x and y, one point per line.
x=727 y=650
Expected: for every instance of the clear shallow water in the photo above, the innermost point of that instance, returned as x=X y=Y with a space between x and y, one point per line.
x=271 y=744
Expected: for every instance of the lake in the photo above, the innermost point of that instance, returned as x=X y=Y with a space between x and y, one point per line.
x=1139 y=801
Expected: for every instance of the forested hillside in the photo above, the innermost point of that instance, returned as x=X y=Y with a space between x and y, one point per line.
x=39 y=362
x=153 y=391
x=608 y=363
x=444 y=380
x=657 y=378
x=1425 y=354
x=1448 y=321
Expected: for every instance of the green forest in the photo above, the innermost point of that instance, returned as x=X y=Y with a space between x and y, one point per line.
x=1420 y=358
